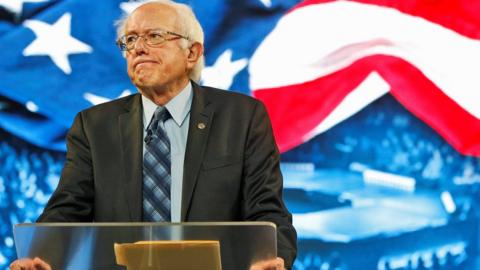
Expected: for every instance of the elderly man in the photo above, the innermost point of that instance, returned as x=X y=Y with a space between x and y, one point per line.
x=176 y=151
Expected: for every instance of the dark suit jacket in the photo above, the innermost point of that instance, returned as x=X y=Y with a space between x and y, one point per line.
x=231 y=169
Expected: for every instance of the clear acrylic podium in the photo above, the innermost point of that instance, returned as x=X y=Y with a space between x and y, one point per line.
x=142 y=246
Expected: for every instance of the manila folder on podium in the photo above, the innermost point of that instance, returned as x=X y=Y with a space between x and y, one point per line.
x=169 y=255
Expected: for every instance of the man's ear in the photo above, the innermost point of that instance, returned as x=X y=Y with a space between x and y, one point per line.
x=195 y=52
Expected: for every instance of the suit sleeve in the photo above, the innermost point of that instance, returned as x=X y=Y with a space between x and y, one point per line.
x=264 y=183
x=73 y=199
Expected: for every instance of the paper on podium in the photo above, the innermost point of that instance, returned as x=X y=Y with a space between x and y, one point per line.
x=169 y=255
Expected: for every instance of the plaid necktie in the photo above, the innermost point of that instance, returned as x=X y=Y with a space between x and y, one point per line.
x=156 y=170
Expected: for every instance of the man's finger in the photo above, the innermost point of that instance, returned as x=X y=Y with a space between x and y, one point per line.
x=39 y=264
x=273 y=264
x=22 y=264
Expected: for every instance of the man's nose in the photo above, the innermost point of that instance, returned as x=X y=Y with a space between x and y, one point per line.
x=140 y=47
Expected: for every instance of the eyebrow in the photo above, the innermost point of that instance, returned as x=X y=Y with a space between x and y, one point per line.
x=144 y=31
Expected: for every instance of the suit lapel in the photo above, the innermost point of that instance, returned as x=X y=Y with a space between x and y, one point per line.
x=199 y=128
x=131 y=132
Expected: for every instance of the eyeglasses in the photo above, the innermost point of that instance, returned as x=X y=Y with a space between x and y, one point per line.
x=152 y=38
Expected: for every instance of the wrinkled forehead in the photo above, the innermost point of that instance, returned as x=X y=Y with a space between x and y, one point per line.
x=152 y=16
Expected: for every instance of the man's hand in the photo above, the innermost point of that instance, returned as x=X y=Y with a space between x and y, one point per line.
x=29 y=264
x=273 y=264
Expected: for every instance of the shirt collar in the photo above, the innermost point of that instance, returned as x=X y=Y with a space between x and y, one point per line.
x=178 y=107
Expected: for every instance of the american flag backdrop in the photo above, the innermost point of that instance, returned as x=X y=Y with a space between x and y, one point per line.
x=330 y=73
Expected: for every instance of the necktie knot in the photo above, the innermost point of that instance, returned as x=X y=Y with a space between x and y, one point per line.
x=160 y=115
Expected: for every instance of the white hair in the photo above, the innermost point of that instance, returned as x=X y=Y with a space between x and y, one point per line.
x=189 y=25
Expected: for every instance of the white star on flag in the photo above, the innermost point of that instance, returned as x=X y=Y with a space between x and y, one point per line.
x=16 y=6
x=55 y=41
x=267 y=3
x=221 y=74
x=95 y=99
x=128 y=7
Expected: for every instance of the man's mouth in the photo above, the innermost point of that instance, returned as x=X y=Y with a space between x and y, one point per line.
x=144 y=63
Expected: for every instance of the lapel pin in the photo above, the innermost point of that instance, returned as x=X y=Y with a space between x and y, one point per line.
x=201 y=126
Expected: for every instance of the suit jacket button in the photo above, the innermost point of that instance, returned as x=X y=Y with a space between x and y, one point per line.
x=201 y=126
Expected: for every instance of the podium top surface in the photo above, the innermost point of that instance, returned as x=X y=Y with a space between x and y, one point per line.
x=146 y=224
